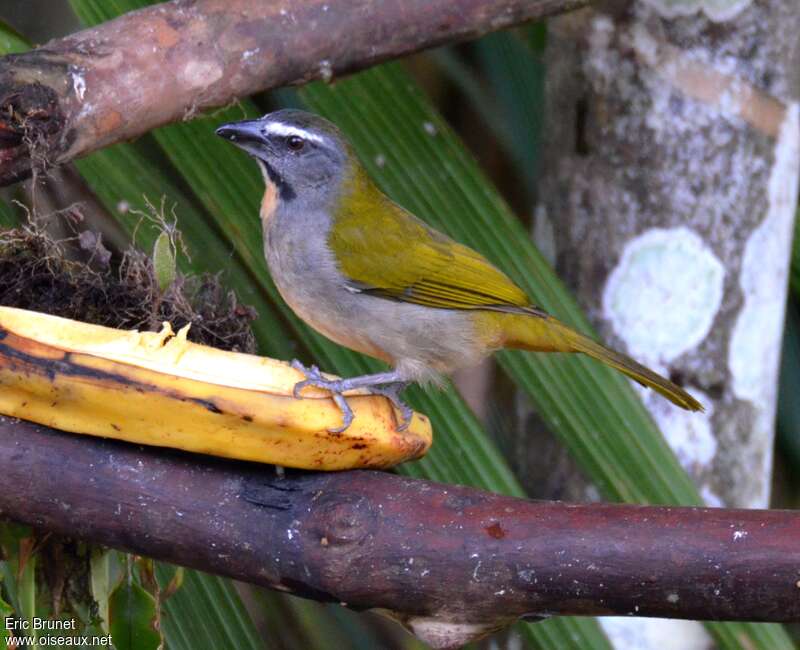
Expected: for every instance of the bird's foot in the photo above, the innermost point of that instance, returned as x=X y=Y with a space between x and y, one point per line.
x=392 y=393
x=388 y=385
x=313 y=377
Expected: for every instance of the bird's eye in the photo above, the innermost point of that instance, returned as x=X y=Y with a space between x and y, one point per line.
x=295 y=142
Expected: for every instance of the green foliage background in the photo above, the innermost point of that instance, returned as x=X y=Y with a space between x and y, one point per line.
x=419 y=160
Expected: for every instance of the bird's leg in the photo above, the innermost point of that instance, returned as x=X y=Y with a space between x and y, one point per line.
x=387 y=384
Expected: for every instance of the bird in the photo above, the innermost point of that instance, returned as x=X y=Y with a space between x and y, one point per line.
x=371 y=276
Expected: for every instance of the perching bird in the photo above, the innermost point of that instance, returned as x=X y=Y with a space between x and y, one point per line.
x=371 y=276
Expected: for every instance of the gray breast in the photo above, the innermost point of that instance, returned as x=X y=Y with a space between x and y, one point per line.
x=295 y=246
x=424 y=340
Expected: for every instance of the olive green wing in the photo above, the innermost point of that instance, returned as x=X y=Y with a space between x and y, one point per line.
x=388 y=252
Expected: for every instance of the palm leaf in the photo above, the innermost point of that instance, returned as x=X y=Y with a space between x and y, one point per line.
x=124 y=176
x=426 y=169
x=229 y=186
x=207 y=612
x=386 y=116
x=11 y=41
x=794 y=275
x=475 y=459
x=788 y=406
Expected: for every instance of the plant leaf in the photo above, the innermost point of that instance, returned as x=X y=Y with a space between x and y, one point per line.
x=8 y=216
x=101 y=583
x=164 y=263
x=229 y=186
x=206 y=612
x=425 y=168
x=794 y=275
x=129 y=182
x=132 y=613
x=788 y=406
x=463 y=452
x=433 y=176
x=6 y=611
x=11 y=41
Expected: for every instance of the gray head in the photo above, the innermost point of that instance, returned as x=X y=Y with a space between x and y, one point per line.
x=305 y=155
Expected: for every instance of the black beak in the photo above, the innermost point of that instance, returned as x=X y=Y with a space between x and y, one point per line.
x=247 y=135
x=241 y=133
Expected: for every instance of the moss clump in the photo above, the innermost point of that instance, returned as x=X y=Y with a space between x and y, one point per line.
x=36 y=273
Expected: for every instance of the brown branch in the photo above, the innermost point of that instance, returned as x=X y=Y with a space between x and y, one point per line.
x=451 y=562
x=163 y=63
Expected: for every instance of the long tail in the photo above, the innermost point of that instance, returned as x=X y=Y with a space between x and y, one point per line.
x=547 y=334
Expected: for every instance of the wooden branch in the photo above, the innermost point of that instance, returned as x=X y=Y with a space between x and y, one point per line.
x=166 y=62
x=451 y=562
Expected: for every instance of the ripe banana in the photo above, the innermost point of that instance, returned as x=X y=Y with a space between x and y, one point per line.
x=157 y=388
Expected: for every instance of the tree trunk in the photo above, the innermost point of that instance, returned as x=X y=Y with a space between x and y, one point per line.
x=670 y=186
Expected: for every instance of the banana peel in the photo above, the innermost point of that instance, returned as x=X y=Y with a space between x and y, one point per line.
x=158 y=388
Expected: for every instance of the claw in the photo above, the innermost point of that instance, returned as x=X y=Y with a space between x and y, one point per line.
x=388 y=384
x=314 y=378
x=312 y=374
x=392 y=393
x=347 y=412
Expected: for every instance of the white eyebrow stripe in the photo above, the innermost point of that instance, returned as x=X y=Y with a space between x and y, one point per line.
x=278 y=128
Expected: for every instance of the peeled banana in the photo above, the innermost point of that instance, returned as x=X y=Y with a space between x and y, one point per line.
x=157 y=388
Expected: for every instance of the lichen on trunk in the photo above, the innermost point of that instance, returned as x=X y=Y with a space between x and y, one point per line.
x=674 y=179
x=670 y=179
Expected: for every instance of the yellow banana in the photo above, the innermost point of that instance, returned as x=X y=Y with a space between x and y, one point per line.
x=157 y=388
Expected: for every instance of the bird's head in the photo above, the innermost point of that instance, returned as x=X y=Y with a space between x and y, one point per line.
x=303 y=154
